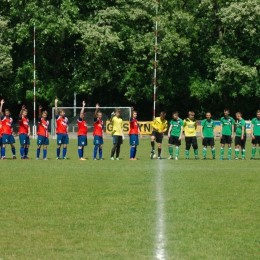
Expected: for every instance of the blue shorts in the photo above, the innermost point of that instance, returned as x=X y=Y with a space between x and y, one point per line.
x=62 y=139
x=8 y=139
x=42 y=140
x=24 y=139
x=98 y=140
x=133 y=140
x=82 y=140
x=1 y=141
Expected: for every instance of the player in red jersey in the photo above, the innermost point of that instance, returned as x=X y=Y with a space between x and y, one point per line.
x=24 y=133
x=133 y=134
x=98 y=134
x=61 y=131
x=43 y=135
x=82 y=133
x=7 y=134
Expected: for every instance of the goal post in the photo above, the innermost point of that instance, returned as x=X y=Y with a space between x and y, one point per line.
x=125 y=114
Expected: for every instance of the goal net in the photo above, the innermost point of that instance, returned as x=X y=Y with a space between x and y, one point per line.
x=72 y=113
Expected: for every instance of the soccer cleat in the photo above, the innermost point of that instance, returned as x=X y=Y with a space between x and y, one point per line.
x=213 y=158
x=57 y=158
x=229 y=158
x=131 y=159
x=204 y=158
x=117 y=158
x=45 y=159
x=221 y=158
x=134 y=159
x=196 y=158
x=112 y=159
x=252 y=158
x=37 y=158
x=81 y=159
x=243 y=158
x=170 y=158
x=3 y=158
x=187 y=158
x=176 y=158
x=64 y=158
x=94 y=159
x=14 y=157
x=159 y=157
x=236 y=158
x=101 y=159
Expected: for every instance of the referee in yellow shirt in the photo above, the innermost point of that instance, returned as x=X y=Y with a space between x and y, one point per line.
x=160 y=126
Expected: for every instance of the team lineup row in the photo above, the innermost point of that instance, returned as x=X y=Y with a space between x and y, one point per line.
x=229 y=129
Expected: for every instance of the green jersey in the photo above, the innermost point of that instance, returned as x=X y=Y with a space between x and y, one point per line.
x=227 y=124
x=208 y=128
x=239 y=124
x=176 y=126
x=256 y=123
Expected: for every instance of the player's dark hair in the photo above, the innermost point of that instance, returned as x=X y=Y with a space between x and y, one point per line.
x=175 y=113
x=163 y=114
x=258 y=111
x=239 y=113
x=208 y=112
x=118 y=110
x=7 y=110
x=226 y=110
x=191 y=113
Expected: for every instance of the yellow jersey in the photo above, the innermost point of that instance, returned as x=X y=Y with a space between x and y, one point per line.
x=117 y=126
x=162 y=125
x=190 y=127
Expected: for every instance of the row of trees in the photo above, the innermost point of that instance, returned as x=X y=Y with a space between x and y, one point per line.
x=208 y=57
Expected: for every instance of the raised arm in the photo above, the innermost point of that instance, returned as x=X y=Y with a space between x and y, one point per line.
x=1 y=107
x=81 y=115
x=39 y=111
x=56 y=106
x=21 y=112
x=132 y=112
x=96 y=111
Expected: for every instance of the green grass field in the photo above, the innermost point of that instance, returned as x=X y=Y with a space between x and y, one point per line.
x=145 y=209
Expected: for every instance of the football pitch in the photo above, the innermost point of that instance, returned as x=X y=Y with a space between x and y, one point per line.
x=145 y=209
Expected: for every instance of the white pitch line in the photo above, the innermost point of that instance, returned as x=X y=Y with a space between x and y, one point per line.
x=160 y=216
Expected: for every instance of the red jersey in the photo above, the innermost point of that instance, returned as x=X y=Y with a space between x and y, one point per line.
x=1 y=129
x=133 y=127
x=62 y=125
x=23 y=125
x=7 y=125
x=43 y=126
x=98 y=127
x=82 y=127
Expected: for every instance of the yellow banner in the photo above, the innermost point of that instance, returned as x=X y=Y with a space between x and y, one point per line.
x=145 y=127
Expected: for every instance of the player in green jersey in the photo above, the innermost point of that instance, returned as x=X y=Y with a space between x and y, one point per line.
x=255 y=133
x=175 y=134
x=226 y=133
x=208 y=135
x=240 y=138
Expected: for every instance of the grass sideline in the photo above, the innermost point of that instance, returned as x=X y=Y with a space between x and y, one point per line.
x=107 y=209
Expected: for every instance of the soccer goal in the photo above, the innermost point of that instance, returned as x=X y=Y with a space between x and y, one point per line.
x=72 y=113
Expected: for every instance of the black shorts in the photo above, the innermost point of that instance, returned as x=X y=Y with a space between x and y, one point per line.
x=117 y=139
x=208 y=141
x=158 y=137
x=240 y=142
x=256 y=140
x=226 y=139
x=191 y=140
x=174 y=140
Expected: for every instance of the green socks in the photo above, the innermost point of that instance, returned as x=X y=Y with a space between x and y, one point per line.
x=229 y=152
x=221 y=152
x=253 y=152
x=243 y=153
x=170 y=150
x=236 y=153
x=213 y=152
x=204 y=152
x=187 y=152
x=177 y=151
x=196 y=153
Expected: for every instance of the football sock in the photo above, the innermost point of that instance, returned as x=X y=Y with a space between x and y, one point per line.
x=58 y=152
x=177 y=150
x=13 y=151
x=187 y=152
x=26 y=150
x=152 y=144
x=135 y=152
x=100 y=153
x=243 y=153
x=253 y=152
x=118 y=151
x=80 y=153
x=213 y=151
x=3 y=152
x=38 y=152
x=95 y=151
x=221 y=152
x=170 y=150
x=159 y=152
x=196 y=152
x=22 y=152
x=236 y=153
x=113 y=150
x=64 y=151
x=229 y=152
x=204 y=152
x=44 y=153
x=132 y=152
